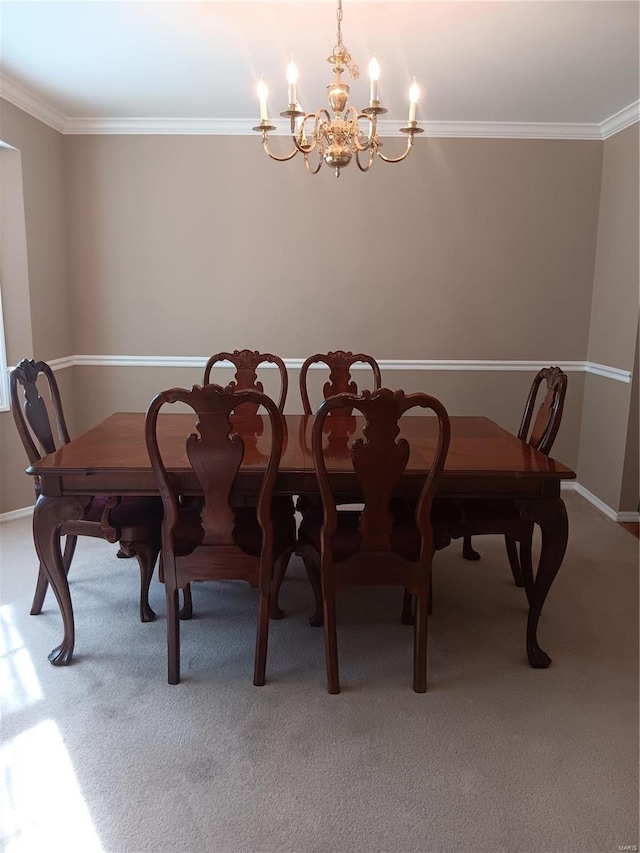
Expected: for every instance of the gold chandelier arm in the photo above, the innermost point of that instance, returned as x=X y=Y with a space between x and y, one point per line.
x=369 y=159
x=309 y=169
x=402 y=156
x=299 y=135
x=323 y=112
x=279 y=158
x=371 y=136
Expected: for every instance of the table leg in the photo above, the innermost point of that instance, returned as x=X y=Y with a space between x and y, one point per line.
x=48 y=517
x=551 y=516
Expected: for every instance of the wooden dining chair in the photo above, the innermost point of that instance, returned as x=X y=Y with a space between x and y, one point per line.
x=246 y=363
x=503 y=517
x=134 y=522
x=378 y=545
x=340 y=381
x=339 y=364
x=216 y=540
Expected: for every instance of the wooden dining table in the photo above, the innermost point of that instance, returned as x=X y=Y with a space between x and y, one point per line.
x=485 y=462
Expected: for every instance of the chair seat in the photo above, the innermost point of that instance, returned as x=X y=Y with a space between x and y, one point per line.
x=405 y=536
x=247 y=533
x=133 y=517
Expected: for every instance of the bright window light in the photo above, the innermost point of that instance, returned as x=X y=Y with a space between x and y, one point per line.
x=43 y=808
x=19 y=685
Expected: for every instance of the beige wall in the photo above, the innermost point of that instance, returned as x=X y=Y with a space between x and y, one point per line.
x=630 y=493
x=471 y=249
x=613 y=326
x=614 y=310
x=41 y=149
x=33 y=269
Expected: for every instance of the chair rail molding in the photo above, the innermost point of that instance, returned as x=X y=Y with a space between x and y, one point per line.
x=462 y=365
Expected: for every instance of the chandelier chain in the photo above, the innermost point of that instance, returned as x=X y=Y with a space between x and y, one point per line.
x=339 y=17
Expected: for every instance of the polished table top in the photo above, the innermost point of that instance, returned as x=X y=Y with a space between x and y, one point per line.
x=478 y=447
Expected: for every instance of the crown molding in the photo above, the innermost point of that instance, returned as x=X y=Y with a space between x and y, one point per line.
x=620 y=120
x=386 y=128
x=38 y=108
x=31 y=104
x=510 y=130
x=160 y=126
x=615 y=373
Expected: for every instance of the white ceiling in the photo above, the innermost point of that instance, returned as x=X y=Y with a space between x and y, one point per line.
x=540 y=63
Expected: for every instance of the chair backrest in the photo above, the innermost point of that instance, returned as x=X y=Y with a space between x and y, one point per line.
x=32 y=420
x=547 y=421
x=215 y=455
x=340 y=382
x=379 y=463
x=246 y=363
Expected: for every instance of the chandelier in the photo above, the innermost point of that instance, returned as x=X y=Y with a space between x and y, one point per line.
x=336 y=139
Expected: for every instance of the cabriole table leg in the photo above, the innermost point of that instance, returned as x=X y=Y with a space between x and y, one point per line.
x=551 y=516
x=48 y=517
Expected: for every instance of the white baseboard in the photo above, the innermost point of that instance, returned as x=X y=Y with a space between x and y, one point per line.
x=574 y=486
x=15 y=514
x=629 y=516
x=565 y=485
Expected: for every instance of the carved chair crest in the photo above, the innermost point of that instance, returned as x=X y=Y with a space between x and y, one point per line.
x=549 y=414
x=32 y=418
x=246 y=363
x=339 y=363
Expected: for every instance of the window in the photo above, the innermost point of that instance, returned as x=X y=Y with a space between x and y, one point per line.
x=16 y=339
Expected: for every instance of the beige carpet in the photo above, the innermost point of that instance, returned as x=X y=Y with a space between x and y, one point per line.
x=105 y=756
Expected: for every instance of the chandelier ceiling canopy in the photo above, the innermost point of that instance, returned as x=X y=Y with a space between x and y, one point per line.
x=343 y=134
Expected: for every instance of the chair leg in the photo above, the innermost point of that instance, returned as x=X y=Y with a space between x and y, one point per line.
x=279 y=571
x=186 y=611
x=42 y=584
x=420 y=643
x=330 y=635
x=173 y=637
x=408 y=617
x=526 y=564
x=146 y=552
x=262 y=637
x=467 y=549
x=313 y=573
x=514 y=560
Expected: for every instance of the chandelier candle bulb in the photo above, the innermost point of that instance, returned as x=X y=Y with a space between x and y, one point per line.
x=374 y=75
x=414 y=95
x=262 y=96
x=292 y=79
